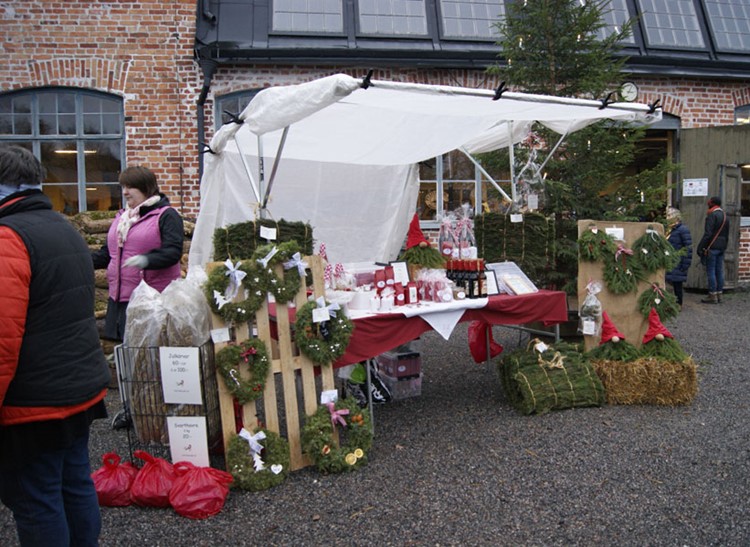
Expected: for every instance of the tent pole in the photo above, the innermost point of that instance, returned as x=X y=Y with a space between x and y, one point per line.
x=485 y=173
x=261 y=176
x=275 y=166
x=512 y=162
x=247 y=170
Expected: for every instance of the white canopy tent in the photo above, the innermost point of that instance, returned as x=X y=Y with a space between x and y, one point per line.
x=343 y=151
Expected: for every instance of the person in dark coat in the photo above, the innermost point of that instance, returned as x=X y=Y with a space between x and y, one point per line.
x=679 y=236
x=711 y=249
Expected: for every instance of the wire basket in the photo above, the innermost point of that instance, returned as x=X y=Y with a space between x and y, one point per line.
x=140 y=384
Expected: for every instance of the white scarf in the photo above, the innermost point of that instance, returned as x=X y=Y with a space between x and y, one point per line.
x=130 y=216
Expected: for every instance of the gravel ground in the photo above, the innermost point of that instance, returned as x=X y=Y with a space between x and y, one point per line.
x=459 y=466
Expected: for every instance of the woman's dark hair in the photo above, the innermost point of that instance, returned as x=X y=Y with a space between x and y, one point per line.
x=140 y=178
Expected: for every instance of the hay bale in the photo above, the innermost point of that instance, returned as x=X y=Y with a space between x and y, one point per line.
x=558 y=378
x=648 y=381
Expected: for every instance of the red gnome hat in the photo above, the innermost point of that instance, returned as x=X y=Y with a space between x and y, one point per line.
x=655 y=327
x=415 y=236
x=609 y=330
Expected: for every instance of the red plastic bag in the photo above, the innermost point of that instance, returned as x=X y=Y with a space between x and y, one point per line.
x=478 y=332
x=113 y=481
x=199 y=492
x=153 y=482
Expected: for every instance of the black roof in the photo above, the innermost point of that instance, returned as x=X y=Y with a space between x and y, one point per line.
x=707 y=38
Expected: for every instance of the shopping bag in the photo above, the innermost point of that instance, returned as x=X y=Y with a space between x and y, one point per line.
x=113 y=481
x=199 y=492
x=153 y=482
x=478 y=332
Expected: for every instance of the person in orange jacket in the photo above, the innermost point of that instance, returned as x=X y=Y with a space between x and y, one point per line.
x=53 y=373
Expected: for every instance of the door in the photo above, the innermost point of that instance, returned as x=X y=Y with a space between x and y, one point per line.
x=713 y=155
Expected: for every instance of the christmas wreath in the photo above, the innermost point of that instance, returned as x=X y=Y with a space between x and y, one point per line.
x=251 y=352
x=655 y=252
x=622 y=271
x=258 y=461
x=663 y=301
x=355 y=436
x=322 y=342
x=267 y=257
x=593 y=245
x=224 y=282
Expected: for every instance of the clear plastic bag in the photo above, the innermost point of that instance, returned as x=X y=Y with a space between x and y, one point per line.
x=188 y=316
x=146 y=318
x=590 y=313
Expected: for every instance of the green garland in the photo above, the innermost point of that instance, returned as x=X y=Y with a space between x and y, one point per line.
x=234 y=312
x=593 y=246
x=668 y=349
x=622 y=273
x=614 y=351
x=228 y=360
x=275 y=456
x=663 y=301
x=355 y=439
x=283 y=290
x=654 y=252
x=424 y=257
x=310 y=341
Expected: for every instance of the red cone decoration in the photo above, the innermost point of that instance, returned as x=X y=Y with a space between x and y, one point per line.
x=415 y=236
x=609 y=330
x=655 y=328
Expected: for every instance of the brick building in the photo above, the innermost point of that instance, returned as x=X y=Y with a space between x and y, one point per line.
x=93 y=86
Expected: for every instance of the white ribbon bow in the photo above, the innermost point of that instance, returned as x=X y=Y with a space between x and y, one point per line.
x=332 y=308
x=253 y=440
x=266 y=259
x=297 y=261
x=235 y=276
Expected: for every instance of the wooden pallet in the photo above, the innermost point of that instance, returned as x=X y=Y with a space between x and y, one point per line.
x=291 y=385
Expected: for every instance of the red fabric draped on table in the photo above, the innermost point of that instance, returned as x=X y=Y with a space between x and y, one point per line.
x=380 y=333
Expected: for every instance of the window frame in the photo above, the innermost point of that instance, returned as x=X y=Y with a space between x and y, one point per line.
x=80 y=137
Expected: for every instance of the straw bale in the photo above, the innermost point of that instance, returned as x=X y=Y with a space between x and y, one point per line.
x=648 y=381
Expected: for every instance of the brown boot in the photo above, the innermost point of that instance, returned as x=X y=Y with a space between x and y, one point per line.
x=718 y=297
x=711 y=298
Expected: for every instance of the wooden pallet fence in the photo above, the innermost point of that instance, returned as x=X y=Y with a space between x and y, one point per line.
x=289 y=369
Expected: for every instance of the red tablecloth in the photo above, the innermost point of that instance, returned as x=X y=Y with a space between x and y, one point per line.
x=380 y=333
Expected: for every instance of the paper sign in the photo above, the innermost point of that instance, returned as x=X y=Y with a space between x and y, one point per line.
x=695 y=187
x=188 y=439
x=491 y=279
x=516 y=217
x=180 y=375
x=268 y=233
x=589 y=327
x=220 y=335
x=617 y=233
x=541 y=347
x=533 y=202
x=329 y=396
x=400 y=272
x=320 y=314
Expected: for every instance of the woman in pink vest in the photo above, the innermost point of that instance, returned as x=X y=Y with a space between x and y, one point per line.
x=144 y=243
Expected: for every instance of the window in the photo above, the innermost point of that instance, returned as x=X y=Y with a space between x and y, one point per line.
x=745 y=195
x=308 y=16
x=79 y=138
x=449 y=181
x=742 y=115
x=392 y=17
x=729 y=21
x=471 y=18
x=671 y=23
x=232 y=104
x=615 y=15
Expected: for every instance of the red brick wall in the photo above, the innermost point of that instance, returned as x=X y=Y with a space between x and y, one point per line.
x=142 y=51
